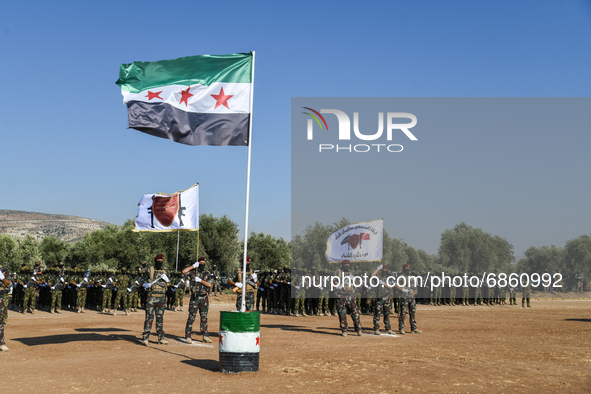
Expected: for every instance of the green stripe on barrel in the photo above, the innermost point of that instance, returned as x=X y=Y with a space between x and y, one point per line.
x=239 y=341
x=240 y=321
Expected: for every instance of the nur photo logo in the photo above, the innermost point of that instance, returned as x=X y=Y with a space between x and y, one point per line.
x=393 y=125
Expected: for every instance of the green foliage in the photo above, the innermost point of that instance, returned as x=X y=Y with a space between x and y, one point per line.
x=27 y=251
x=53 y=251
x=577 y=255
x=268 y=252
x=219 y=237
x=541 y=260
x=468 y=249
x=7 y=251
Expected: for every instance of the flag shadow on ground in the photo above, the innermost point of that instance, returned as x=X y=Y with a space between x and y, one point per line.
x=209 y=365
x=296 y=328
x=582 y=320
x=67 y=338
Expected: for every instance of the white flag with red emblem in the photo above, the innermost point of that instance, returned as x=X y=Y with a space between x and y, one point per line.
x=357 y=242
x=169 y=212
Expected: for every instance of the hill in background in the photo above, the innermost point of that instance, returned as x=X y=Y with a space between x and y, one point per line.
x=40 y=225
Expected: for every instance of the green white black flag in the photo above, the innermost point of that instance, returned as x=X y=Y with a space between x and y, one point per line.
x=196 y=100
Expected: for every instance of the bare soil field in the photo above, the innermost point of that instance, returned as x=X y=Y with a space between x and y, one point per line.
x=500 y=349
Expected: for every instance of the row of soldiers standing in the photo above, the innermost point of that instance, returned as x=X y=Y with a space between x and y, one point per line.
x=277 y=293
x=57 y=289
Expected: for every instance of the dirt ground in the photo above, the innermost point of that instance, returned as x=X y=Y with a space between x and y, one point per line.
x=546 y=348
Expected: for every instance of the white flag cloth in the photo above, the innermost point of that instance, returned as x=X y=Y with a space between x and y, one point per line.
x=169 y=212
x=356 y=242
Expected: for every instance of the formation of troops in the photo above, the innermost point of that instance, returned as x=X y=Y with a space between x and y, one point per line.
x=278 y=292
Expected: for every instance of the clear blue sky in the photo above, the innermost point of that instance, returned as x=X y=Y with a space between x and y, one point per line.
x=66 y=147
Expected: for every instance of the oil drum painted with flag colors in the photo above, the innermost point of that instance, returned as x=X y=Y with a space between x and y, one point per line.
x=240 y=341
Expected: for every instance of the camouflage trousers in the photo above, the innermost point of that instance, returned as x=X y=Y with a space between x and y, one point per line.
x=465 y=295
x=408 y=305
x=4 y=316
x=323 y=304
x=121 y=295
x=437 y=295
x=30 y=298
x=132 y=299
x=56 y=300
x=107 y=297
x=478 y=296
x=155 y=305
x=382 y=305
x=512 y=297
x=3 y=307
x=81 y=297
x=179 y=296
x=249 y=300
x=348 y=306
x=197 y=304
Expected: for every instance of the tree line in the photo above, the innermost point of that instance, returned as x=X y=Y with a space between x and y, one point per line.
x=113 y=246
x=462 y=249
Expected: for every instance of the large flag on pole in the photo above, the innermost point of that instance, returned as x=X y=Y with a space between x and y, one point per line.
x=357 y=242
x=195 y=100
x=169 y=212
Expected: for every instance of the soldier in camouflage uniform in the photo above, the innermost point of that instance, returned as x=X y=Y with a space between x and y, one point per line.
x=215 y=281
x=478 y=294
x=199 y=299
x=82 y=289
x=155 y=281
x=465 y=294
x=408 y=302
x=525 y=295
x=58 y=283
x=121 y=283
x=250 y=287
x=383 y=301
x=437 y=296
x=580 y=282
x=170 y=292
x=512 y=295
x=324 y=299
x=107 y=291
x=133 y=292
x=346 y=301
x=179 y=294
x=4 y=317
x=5 y=284
x=30 y=286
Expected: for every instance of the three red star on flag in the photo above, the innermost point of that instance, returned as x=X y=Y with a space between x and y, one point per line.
x=152 y=95
x=186 y=96
x=221 y=342
x=222 y=99
x=258 y=341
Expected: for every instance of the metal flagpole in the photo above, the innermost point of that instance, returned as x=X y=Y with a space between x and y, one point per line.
x=178 y=240
x=243 y=306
